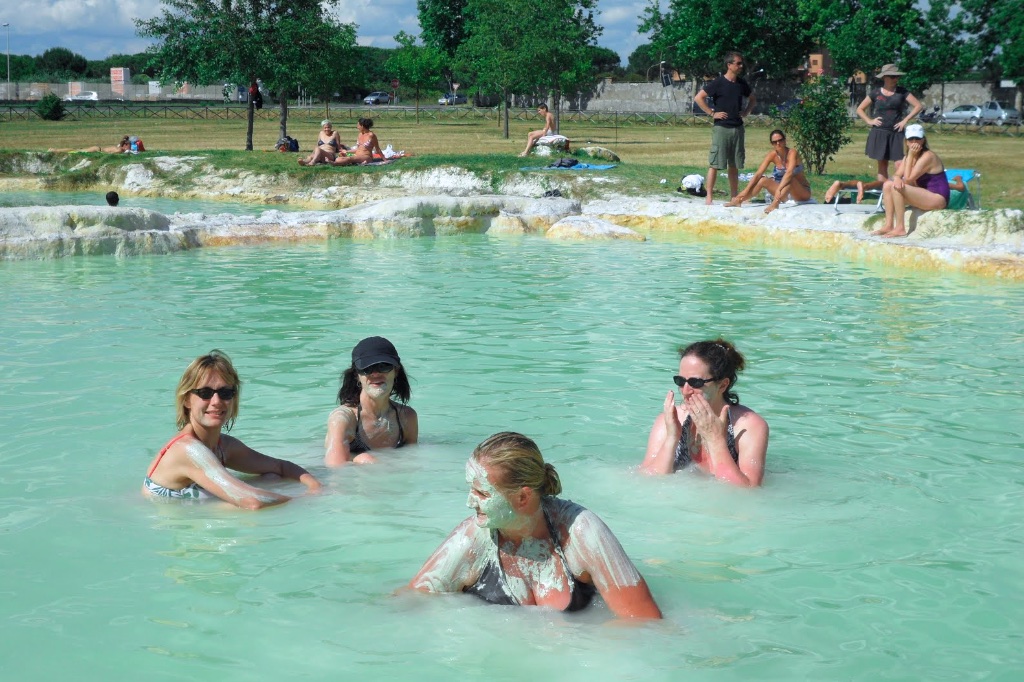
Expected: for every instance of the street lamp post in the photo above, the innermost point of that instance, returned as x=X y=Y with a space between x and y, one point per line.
x=7 y=92
x=660 y=65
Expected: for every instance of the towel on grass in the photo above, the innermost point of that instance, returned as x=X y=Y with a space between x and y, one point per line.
x=578 y=166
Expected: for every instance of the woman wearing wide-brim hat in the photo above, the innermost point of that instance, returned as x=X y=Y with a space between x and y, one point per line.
x=888 y=119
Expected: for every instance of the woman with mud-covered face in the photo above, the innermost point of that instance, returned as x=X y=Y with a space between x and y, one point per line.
x=195 y=463
x=525 y=546
x=369 y=419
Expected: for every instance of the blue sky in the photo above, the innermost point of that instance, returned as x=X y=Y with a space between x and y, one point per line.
x=96 y=29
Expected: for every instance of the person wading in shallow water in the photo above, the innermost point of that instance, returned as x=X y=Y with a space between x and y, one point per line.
x=368 y=420
x=523 y=545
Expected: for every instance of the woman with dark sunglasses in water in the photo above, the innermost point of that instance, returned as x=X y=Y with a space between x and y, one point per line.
x=710 y=429
x=368 y=419
x=195 y=463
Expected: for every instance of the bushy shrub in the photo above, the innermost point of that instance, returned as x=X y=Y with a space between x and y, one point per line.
x=50 y=108
x=818 y=125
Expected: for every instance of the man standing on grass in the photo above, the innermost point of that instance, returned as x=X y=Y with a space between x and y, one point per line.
x=727 y=144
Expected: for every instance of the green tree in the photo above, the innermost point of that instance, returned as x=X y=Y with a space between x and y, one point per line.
x=212 y=41
x=642 y=59
x=492 y=53
x=605 y=60
x=820 y=124
x=60 y=61
x=861 y=34
x=997 y=27
x=443 y=28
x=694 y=35
x=50 y=108
x=941 y=49
x=416 y=66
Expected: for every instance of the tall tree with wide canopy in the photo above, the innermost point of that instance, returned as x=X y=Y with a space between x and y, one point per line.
x=694 y=35
x=861 y=35
x=546 y=48
x=492 y=54
x=998 y=30
x=417 y=66
x=443 y=28
x=287 y=43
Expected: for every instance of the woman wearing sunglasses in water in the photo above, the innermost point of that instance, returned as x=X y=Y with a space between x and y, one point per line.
x=195 y=463
x=368 y=419
x=710 y=428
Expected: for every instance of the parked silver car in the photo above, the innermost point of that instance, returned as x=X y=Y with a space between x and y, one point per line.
x=999 y=113
x=377 y=98
x=965 y=113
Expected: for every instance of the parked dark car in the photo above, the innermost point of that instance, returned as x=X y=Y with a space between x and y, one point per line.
x=452 y=98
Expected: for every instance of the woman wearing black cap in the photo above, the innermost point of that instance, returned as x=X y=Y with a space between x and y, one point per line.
x=368 y=419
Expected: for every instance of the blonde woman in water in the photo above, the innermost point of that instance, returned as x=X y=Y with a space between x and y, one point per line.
x=194 y=464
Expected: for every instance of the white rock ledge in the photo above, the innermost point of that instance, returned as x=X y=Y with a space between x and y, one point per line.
x=989 y=243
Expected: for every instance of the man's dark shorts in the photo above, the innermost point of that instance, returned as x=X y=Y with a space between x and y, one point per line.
x=727 y=148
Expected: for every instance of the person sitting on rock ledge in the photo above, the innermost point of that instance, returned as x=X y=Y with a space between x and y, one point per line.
x=549 y=129
x=120 y=148
x=787 y=180
x=919 y=183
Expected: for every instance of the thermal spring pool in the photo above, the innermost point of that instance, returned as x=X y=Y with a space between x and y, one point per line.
x=885 y=544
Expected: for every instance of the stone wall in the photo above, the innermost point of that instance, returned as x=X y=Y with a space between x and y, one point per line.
x=676 y=98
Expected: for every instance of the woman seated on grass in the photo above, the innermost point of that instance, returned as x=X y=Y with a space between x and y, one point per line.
x=328 y=144
x=366 y=147
x=787 y=180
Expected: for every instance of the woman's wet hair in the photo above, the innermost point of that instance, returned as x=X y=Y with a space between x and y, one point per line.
x=774 y=133
x=365 y=122
x=214 y=361
x=519 y=463
x=350 y=389
x=723 y=361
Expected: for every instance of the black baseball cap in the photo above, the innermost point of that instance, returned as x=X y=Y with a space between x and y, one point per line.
x=372 y=350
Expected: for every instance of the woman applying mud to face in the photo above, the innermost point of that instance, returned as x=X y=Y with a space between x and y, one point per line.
x=195 y=463
x=523 y=545
x=368 y=419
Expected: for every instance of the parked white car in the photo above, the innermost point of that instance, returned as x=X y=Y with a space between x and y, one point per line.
x=83 y=96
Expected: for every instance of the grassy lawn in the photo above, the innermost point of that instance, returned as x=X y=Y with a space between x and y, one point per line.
x=649 y=153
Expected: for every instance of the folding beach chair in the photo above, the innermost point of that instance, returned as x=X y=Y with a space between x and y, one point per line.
x=852 y=193
x=969 y=199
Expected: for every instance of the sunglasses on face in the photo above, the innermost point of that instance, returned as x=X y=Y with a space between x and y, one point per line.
x=779 y=141
x=694 y=382
x=380 y=367
x=206 y=393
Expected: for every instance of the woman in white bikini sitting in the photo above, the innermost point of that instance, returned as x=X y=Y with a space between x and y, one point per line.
x=549 y=129
x=366 y=146
x=710 y=428
x=787 y=180
x=328 y=144
x=195 y=463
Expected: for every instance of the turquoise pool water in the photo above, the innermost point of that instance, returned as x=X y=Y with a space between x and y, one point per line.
x=166 y=205
x=885 y=545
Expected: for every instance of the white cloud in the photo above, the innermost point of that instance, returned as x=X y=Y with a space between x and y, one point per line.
x=96 y=29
